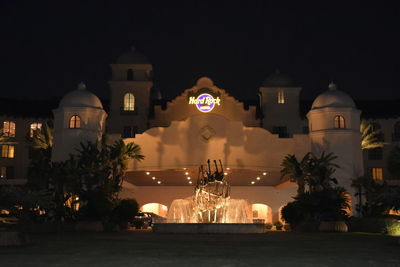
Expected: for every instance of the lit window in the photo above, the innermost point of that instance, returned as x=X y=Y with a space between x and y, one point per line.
x=9 y=128
x=377 y=174
x=7 y=151
x=129 y=102
x=339 y=122
x=75 y=122
x=34 y=128
x=281 y=97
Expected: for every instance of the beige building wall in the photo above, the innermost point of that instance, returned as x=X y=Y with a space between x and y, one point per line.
x=210 y=136
x=179 y=109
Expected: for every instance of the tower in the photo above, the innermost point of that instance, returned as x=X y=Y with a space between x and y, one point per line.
x=279 y=101
x=130 y=94
x=79 y=117
x=334 y=123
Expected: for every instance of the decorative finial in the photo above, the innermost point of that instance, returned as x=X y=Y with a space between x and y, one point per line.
x=81 y=86
x=332 y=86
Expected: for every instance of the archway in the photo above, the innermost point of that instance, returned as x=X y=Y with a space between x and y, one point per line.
x=156 y=208
x=261 y=212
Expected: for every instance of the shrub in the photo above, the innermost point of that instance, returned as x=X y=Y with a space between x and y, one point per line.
x=291 y=214
x=383 y=225
x=95 y=206
x=126 y=210
x=310 y=208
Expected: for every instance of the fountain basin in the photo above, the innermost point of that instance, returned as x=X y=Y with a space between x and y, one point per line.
x=209 y=228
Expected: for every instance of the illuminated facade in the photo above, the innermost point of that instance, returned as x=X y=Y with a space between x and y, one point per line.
x=205 y=122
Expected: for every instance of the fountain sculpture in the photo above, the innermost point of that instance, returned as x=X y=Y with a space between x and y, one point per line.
x=211 y=201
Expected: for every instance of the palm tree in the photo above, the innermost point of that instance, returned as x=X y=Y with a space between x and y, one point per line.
x=319 y=171
x=41 y=138
x=314 y=171
x=370 y=137
x=121 y=154
x=295 y=170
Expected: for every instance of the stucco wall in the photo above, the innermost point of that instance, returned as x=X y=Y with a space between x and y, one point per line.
x=191 y=142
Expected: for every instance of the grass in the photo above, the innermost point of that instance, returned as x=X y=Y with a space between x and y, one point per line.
x=138 y=248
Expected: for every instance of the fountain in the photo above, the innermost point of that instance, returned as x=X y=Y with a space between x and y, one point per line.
x=210 y=209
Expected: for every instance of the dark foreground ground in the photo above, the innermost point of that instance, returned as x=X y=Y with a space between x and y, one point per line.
x=148 y=249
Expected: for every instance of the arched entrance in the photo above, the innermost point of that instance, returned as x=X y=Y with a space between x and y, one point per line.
x=156 y=208
x=261 y=212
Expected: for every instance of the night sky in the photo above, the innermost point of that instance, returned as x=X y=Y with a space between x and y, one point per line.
x=47 y=48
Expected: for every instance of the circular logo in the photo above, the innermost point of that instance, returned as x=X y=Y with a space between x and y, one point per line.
x=205 y=103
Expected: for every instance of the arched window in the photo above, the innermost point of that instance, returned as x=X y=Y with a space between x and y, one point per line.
x=129 y=75
x=9 y=129
x=339 y=122
x=34 y=128
x=129 y=102
x=396 y=131
x=75 y=122
x=281 y=97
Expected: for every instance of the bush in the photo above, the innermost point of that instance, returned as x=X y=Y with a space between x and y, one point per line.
x=310 y=208
x=383 y=225
x=95 y=206
x=292 y=214
x=126 y=210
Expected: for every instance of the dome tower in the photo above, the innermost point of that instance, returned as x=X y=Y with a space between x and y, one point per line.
x=79 y=117
x=130 y=94
x=334 y=124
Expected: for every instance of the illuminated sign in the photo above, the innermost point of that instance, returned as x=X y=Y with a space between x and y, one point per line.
x=205 y=102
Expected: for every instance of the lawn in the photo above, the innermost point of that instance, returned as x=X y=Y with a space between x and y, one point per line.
x=135 y=248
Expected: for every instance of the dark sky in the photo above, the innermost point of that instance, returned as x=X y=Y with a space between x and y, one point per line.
x=47 y=48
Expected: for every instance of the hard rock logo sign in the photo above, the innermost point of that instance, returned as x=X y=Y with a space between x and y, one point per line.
x=205 y=102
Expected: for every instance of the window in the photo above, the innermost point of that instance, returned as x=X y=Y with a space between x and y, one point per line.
x=129 y=102
x=128 y=132
x=6 y=172
x=396 y=131
x=377 y=174
x=255 y=213
x=3 y=172
x=281 y=97
x=339 y=122
x=9 y=128
x=75 y=122
x=7 y=151
x=34 y=128
x=129 y=75
x=375 y=154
